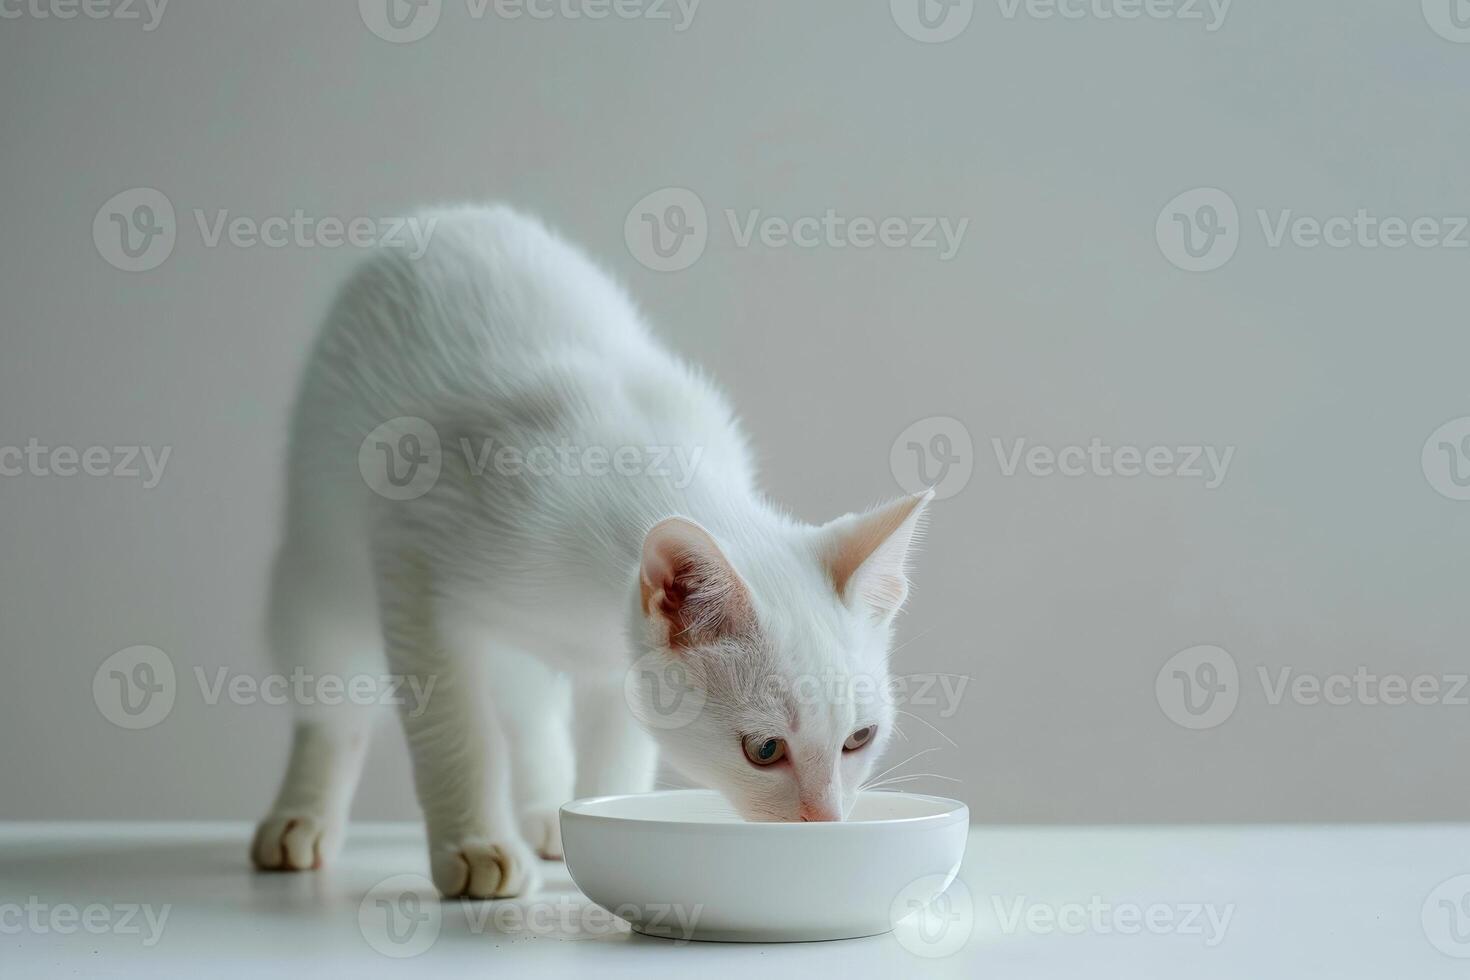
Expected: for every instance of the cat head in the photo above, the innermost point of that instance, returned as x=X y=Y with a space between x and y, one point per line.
x=764 y=657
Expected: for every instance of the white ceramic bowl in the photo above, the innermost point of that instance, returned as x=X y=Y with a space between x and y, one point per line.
x=679 y=864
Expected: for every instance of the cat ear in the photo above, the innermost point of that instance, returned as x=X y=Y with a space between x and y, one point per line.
x=867 y=554
x=690 y=592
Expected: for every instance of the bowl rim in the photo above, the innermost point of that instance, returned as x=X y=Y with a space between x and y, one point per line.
x=956 y=812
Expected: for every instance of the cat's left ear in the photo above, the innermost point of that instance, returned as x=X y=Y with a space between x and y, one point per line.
x=867 y=555
x=690 y=592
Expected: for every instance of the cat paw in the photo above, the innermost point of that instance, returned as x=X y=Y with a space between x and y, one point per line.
x=482 y=869
x=294 y=842
x=542 y=830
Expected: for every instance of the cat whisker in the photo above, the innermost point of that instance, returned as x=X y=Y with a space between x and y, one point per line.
x=932 y=728
x=918 y=775
x=918 y=636
x=905 y=762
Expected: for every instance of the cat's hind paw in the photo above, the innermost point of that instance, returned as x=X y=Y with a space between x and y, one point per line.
x=482 y=869
x=542 y=829
x=294 y=842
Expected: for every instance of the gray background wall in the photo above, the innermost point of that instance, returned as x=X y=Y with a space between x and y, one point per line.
x=1061 y=318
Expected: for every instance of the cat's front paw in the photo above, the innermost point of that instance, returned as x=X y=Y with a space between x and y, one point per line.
x=542 y=830
x=295 y=842
x=484 y=869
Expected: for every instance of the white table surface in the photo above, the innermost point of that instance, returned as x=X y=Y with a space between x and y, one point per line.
x=1339 y=902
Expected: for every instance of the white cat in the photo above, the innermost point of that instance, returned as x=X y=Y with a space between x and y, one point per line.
x=514 y=571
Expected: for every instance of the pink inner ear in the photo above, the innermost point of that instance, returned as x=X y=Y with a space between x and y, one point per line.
x=670 y=594
x=867 y=558
x=688 y=584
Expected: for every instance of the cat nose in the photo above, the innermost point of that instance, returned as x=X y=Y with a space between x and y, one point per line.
x=817 y=813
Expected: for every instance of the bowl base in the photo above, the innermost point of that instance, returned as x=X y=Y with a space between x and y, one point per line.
x=764 y=935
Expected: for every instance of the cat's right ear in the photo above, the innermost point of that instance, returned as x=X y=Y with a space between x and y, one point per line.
x=867 y=555
x=690 y=592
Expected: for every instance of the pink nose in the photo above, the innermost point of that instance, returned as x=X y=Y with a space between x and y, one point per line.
x=817 y=813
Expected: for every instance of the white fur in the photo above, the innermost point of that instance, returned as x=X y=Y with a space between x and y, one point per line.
x=519 y=595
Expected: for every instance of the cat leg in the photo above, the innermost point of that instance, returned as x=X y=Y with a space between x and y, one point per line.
x=322 y=622
x=461 y=756
x=614 y=753
x=306 y=825
x=535 y=705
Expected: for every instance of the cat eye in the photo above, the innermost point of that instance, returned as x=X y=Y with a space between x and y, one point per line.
x=859 y=738
x=765 y=752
